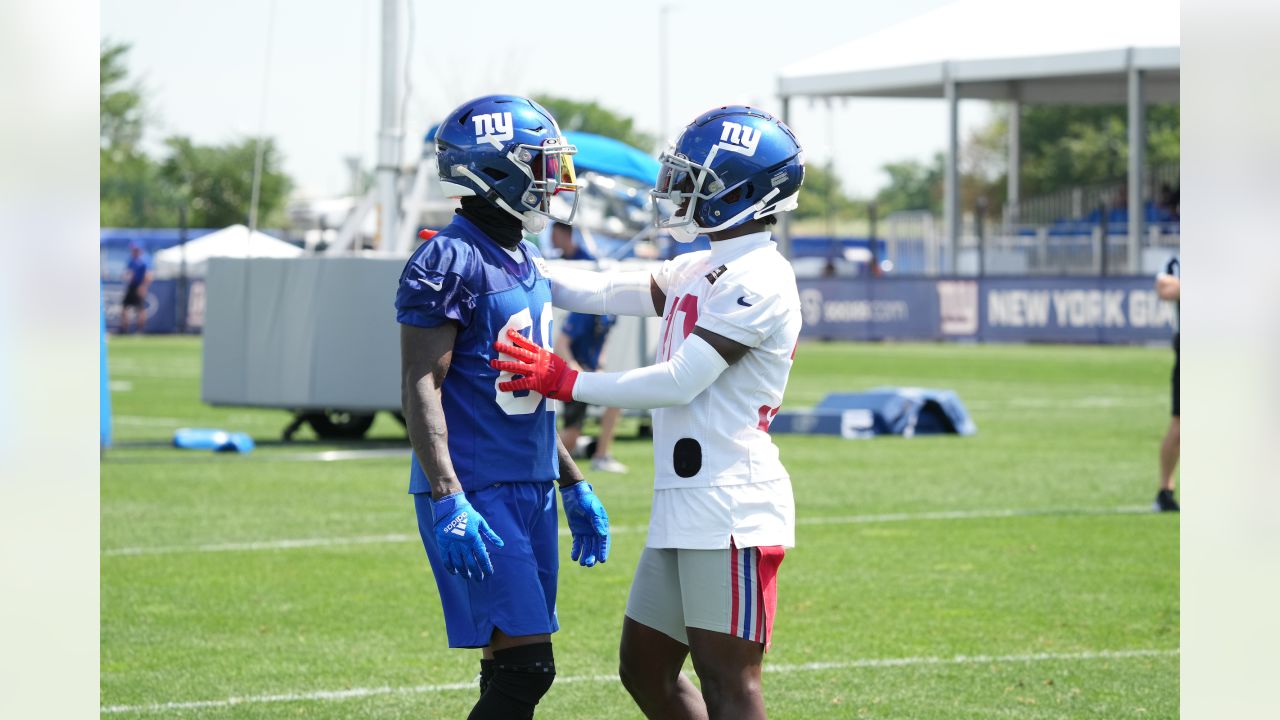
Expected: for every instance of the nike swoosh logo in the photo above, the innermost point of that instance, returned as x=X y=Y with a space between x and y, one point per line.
x=437 y=286
x=743 y=301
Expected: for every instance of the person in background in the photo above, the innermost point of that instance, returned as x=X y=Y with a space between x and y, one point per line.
x=563 y=241
x=137 y=278
x=581 y=343
x=1168 y=287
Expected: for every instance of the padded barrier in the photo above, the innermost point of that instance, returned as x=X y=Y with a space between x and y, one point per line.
x=880 y=411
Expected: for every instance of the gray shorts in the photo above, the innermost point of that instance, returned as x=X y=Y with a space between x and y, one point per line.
x=732 y=591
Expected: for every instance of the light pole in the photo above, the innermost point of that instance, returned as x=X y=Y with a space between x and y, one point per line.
x=663 y=11
x=389 y=132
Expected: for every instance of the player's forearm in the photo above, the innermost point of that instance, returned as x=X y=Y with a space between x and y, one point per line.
x=598 y=293
x=675 y=382
x=429 y=435
x=569 y=472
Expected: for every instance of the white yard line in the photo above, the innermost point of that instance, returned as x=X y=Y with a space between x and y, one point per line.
x=264 y=545
x=354 y=693
x=338 y=455
x=296 y=543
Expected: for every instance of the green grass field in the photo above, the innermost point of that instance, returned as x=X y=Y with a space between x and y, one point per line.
x=1014 y=574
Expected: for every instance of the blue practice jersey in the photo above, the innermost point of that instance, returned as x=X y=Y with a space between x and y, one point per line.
x=587 y=334
x=137 y=268
x=462 y=276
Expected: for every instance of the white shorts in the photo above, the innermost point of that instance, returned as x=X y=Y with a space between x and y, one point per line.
x=732 y=591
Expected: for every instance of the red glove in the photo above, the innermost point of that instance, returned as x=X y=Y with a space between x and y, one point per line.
x=543 y=371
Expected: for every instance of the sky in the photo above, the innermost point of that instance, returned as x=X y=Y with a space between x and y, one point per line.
x=206 y=68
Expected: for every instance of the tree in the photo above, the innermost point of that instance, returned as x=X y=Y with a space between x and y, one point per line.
x=127 y=177
x=913 y=185
x=213 y=182
x=822 y=197
x=1062 y=147
x=131 y=193
x=1072 y=146
x=121 y=108
x=217 y=181
x=593 y=118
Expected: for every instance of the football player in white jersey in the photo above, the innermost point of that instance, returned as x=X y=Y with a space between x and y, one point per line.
x=722 y=506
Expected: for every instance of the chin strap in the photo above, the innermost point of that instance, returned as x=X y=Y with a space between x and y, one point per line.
x=531 y=221
x=753 y=210
x=691 y=230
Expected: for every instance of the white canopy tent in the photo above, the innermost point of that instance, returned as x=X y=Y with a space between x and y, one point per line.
x=234 y=241
x=1021 y=51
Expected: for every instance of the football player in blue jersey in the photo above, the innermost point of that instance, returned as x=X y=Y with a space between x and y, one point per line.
x=486 y=462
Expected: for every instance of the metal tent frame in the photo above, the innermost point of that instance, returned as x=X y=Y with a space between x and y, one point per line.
x=1020 y=51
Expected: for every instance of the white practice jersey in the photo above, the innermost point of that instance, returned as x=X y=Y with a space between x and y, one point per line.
x=717 y=471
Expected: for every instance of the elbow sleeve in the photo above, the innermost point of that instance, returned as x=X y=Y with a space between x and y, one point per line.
x=675 y=382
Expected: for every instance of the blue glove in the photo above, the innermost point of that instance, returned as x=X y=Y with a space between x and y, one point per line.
x=588 y=522
x=459 y=529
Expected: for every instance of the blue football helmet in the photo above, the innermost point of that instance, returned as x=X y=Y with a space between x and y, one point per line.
x=508 y=150
x=730 y=165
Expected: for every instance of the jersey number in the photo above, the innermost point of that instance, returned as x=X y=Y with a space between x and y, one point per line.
x=525 y=401
x=766 y=416
x=682 y=304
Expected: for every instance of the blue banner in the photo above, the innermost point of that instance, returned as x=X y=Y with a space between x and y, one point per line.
x=847 y=309
x=999 y=309
x=1081 y=310
x=172 y=306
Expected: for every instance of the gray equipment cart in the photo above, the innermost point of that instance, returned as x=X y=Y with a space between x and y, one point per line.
x=317 y=336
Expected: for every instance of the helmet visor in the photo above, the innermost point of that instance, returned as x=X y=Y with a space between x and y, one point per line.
x=675 y=179
x=552 y=167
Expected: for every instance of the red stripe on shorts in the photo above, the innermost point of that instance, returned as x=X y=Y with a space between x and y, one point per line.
x=770 y=558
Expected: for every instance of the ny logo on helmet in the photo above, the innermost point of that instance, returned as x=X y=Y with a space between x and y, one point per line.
x=494 y=128
x=738 y=138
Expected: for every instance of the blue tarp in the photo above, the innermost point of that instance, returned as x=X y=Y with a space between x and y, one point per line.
x=881 y=411
x=612 y=157
x=603 y=155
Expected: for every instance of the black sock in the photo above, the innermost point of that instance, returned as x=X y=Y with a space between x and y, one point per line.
x=521 y=676
x=486 y=674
